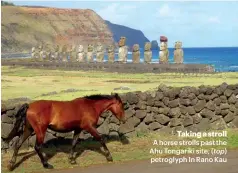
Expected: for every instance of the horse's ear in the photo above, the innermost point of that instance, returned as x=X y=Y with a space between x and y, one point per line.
x=116 y=95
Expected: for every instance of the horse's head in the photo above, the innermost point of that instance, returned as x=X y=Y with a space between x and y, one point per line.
x=117 y=108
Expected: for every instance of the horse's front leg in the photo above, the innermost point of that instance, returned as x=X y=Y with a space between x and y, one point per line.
x=93 y=131
x=74 y=142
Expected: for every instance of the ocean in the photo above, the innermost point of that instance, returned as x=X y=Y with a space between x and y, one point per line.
x=224 y=59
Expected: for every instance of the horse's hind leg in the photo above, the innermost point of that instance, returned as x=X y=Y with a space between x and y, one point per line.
x=93 y=131
x=26 y=133
x=40 y=135
x=74 y=142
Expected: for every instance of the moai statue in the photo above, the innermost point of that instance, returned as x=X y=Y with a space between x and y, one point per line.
x=136 y=53
x=90 y=53
x=72 y=53
x=33 y=53
x=41 y=53
x=178 y=53
x=60 y=54
x=111 y=54
x=64 y=53
x=99 y=53
x=37 y=54
x=147 y=52
x=80 y=54
x=47 y=52
x=55 y=54
x=123 y=50
x=164 y=52
x=69 y=51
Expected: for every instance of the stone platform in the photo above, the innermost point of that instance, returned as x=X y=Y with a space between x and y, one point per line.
x=116 y=67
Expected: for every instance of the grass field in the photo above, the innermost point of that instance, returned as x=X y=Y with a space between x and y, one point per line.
x=52 y=84
x=65 y=85
x=138 y=148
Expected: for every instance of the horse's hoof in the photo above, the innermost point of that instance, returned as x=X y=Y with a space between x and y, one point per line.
x=48 y=166
x=109 y=159
x=10 y=166
x=72 y=162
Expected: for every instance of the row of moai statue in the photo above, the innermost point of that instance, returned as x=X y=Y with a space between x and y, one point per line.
x=164 y=52
x=70 y=53
x=123 y=52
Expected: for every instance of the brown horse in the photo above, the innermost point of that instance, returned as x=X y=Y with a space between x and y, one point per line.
x=63 y=116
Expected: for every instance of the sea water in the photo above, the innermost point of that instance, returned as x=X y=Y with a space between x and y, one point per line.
x=224 y=59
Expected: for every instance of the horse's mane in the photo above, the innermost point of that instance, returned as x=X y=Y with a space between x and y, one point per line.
x=99 y=97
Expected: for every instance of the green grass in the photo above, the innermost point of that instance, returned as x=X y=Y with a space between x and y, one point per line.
x=137 y=149
x=32 y=83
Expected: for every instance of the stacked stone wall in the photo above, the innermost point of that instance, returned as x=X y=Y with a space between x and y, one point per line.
x=166 y=109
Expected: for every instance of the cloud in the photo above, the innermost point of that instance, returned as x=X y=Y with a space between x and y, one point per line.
x=116 y=13
x=164 y=11
x=184 y=17
x=214 y=19
x=127 y=7
x=167 y=12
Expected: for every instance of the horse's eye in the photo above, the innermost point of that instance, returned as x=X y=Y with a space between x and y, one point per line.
x=125 y=105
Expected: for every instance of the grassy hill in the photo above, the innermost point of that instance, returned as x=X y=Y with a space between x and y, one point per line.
x=24 y=27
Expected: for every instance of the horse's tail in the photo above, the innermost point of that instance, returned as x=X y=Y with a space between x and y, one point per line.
x=20 y=121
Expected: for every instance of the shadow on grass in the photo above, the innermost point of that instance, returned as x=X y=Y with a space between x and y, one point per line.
x=53 y=146
x=26 y=156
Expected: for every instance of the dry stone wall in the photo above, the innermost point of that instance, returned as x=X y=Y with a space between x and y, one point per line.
x=165 y=109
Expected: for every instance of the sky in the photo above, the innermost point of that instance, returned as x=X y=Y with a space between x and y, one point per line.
x=196 y=24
